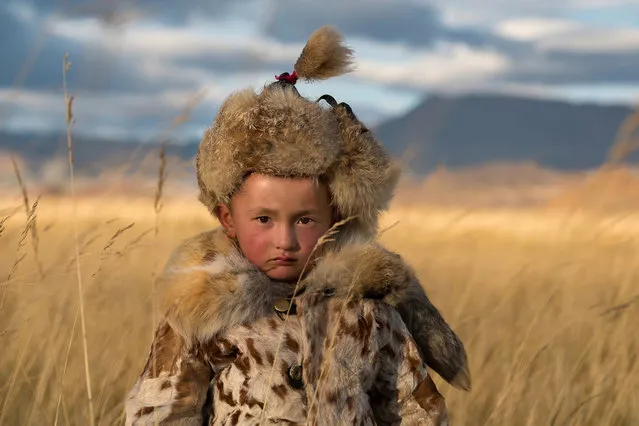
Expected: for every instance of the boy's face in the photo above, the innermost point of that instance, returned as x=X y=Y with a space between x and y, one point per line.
x=277 y=222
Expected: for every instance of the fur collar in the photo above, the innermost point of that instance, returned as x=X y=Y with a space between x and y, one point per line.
x=209 y=286
x=360 y=269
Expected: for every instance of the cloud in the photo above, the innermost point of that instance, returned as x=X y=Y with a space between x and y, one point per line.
x=566 y=35
x=144 y=116
x=135 y=65
x=18 y=41
x=217 y=49
x=411 y=23
x=568 y=67
x=564 y=52
x=465 y=13
x=119 y=115
x=199 y=54
x=446 y=65
x=418 y=25
x=166 y=11
x=425 y=51
x=602 y=3
x=444 y=48
x=534 y=29
x=33 y=49
x=594 y=40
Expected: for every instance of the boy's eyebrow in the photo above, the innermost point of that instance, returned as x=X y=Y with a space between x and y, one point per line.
x=271 y=212
x=305 y=212
x=263 y=210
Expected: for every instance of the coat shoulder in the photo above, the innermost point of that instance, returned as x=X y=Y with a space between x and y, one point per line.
x=361 y=269
x=198 y=249
x=367 y=270
x=196 y=282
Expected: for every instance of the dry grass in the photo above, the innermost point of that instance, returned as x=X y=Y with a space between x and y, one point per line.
x=546 y=302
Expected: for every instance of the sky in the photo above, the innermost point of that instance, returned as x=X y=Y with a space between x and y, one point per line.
x=136 y=65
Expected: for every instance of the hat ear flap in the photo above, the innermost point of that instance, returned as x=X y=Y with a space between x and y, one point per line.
x=364 y=178
x=218 y=171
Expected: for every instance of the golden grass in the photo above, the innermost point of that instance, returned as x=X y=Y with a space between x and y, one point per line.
x=546 y=302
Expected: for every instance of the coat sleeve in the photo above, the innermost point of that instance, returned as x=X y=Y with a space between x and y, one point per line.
x=439 y=345
x=403 y=391
x=174 y=385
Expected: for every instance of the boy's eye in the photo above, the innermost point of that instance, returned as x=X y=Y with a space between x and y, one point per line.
x=305 y=220
x=262 y=219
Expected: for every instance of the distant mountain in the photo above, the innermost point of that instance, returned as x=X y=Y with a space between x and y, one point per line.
x=476 y=129
x=455 y=132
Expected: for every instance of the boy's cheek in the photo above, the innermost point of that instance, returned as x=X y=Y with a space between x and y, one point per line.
x=253 y=236
x=256 y=251
x=311 y=240
x=254 y=248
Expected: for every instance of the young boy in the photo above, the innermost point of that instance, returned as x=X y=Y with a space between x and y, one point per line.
x=290 y=313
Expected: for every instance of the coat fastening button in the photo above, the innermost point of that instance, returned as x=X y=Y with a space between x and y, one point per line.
x=281 y=307
x=295 y=377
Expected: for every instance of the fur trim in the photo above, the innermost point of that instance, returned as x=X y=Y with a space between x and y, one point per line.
x=208 y=286
x=360 y=270
x=324 y=56
x=364 y=179
x=278 y=132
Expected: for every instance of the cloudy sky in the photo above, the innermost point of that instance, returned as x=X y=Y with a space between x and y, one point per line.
x=137 y=64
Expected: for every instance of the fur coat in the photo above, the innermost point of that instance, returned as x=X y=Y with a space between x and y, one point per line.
x=233 y=347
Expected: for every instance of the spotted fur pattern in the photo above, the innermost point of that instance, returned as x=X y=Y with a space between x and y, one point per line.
x=359 y=362
x=351 y=346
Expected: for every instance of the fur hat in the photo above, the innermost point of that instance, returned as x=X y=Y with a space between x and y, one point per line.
x=281 y=133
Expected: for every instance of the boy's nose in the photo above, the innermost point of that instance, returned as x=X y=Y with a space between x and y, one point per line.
x=286 y=239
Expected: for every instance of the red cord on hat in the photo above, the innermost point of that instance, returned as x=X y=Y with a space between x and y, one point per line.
x=291 y=78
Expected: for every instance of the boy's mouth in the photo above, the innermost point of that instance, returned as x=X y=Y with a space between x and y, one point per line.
x=284 y=260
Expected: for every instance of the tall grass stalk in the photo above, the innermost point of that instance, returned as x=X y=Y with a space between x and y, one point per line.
x=66 y=65
x=157 y=208
x=31 y=215
x=27 y=210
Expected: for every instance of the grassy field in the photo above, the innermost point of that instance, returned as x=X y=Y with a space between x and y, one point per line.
x=546 y=301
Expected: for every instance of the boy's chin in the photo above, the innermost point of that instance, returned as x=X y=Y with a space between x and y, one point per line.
x=283 y=273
